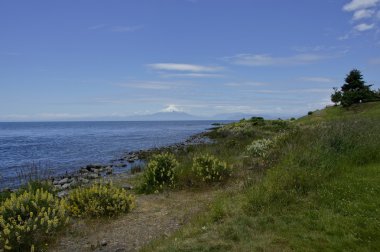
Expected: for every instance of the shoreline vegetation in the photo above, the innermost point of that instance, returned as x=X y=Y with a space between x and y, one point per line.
x=306 y=184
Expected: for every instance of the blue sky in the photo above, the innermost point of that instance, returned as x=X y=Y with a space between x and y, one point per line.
x=78 y=60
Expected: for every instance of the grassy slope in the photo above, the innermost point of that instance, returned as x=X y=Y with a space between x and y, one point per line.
x=371 y=109
x=322 y=192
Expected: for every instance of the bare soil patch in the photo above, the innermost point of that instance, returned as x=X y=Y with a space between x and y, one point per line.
x=155 y=216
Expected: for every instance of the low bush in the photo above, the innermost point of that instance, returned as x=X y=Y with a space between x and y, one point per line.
x=210 y=169
x=259 y=148
x=28 y=219
x=34 y=185
x=160 y=173
x=99 y=200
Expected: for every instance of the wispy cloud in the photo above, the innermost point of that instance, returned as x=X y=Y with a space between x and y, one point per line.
x=364 y=27
x=320 y=49
x=119 y=28
x=154 y=85
x=317 y=79
x=126 y=28
x=361 y=14
x=247 y=84
x=43 y=117
x=184 y=67
x=361 y=9
x=260 y=60
x=294 y=91
x=97 y=27
x=192 y=75
x=360 y=4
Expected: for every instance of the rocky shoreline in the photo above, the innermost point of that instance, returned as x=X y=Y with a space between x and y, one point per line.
x=134 y=159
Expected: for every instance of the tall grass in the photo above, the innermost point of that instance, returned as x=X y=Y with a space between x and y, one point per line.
x=313 y=155
x=320 y=191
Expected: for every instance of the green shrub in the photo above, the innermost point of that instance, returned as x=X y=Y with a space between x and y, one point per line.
x=5 y=195
x=160 y=173
x=210 y=169
x=260 y=148
x=34 y=185
x=99 y=200
x=28 y=219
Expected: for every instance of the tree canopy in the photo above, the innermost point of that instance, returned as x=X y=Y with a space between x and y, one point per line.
x=354 y=90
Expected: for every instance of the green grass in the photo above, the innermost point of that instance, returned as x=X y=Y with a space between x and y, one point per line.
x=320 y=191
x=370 y=109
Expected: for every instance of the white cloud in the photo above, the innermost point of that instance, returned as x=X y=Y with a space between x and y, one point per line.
x=126 y=28
x=362 y=9
x=364 y=27
x=267 y=60
x=360 y=4
x=154 y=85
x=192 y=75
x=360 y=14
x=317 y=79
x=184 y=67
x=172 y=108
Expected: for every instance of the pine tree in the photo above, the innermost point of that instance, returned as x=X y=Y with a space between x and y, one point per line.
x=354 y=90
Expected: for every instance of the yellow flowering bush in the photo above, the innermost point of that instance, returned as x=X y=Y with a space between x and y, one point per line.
x=210 y=169
x=101 y=199
x=29 y=218
x=160 y=172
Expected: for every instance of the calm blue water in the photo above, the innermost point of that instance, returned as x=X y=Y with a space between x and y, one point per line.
x=65 y=146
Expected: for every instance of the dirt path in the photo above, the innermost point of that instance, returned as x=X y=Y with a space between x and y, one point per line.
x=154 y=216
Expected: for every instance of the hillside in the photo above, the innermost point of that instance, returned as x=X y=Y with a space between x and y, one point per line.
x=318 y=189
x=370 y=109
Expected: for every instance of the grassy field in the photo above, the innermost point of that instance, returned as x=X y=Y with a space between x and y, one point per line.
x=317 y=189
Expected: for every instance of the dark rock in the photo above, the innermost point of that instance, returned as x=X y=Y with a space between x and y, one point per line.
x=63 y=181
x=92 y=176
x=65 y=186
x=62 y=194
x=84 y=180
x=120 y=165
x=120 y=250
x=109 y=170
x=127 y=187
x=93 y=166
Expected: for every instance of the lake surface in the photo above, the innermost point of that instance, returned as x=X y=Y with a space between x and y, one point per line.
x=66 y=146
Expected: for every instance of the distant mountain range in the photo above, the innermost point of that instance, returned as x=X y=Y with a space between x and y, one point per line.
x=165 y=116
x=182 y=116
